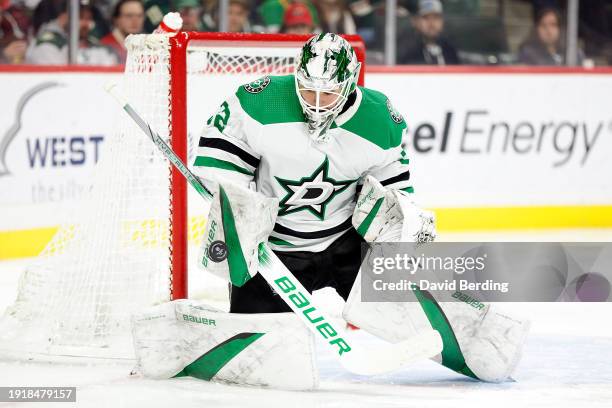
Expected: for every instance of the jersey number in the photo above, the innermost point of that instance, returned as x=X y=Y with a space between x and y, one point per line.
x=220 y=119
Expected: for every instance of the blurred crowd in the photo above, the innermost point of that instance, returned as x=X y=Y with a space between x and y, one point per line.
x=433 y=32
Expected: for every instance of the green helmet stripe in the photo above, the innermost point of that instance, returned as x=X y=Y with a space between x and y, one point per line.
x=307 y=54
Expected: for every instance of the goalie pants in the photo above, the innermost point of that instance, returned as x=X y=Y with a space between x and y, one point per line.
x=336 y=267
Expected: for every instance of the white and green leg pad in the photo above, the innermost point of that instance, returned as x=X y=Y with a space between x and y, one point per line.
x=187 y=338
x=479 y=340
x=238 y=221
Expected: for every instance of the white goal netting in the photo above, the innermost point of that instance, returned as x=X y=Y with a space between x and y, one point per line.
x=113 y=257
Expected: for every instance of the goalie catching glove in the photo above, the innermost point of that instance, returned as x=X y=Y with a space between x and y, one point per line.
x=386 y=215
x=238 y=221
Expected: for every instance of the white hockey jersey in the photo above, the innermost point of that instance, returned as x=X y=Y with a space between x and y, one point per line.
x=260 y=134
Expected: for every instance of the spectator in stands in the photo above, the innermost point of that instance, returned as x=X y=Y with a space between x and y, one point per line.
x=238 y=16
x=208 y=16
x=14 y=28
x=128 y=18
x=369 y=16
x=51 y=43
x=270 y=13
x=365 y=19
x=190 y=11
x=545 y=46
x=45 y=11
x=451 y=7
x=298 y=20
x=102 y=23
x=106 y=8
x=429 y=46
x=335 y=17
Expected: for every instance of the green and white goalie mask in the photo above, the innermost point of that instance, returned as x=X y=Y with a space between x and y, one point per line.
x=326 y=73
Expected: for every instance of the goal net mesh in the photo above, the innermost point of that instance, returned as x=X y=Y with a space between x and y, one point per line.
x=114 y=256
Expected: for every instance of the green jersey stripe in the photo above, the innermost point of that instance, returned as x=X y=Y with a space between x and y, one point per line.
x=279 y=241
x=228 y=147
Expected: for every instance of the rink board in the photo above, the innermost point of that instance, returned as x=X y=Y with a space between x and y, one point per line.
x=488 y=150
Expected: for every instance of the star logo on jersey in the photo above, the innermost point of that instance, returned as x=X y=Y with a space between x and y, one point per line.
x=258 y=85
x=312 y=193
x=395 y=115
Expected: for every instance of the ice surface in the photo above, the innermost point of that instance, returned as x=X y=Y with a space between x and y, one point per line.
x=564 y=371
x=567 y=363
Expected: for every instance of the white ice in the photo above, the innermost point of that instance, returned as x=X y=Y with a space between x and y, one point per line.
x=567 y=363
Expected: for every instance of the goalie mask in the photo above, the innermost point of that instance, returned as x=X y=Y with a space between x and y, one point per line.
x=326 y=73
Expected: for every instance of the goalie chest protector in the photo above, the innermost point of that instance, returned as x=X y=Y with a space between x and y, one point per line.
x=261 y=132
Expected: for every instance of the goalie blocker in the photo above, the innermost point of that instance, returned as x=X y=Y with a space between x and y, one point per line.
x=239 y=219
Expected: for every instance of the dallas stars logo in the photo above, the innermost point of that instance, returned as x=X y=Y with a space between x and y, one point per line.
x=312 y=193
x=258 y=85
x=395 y=115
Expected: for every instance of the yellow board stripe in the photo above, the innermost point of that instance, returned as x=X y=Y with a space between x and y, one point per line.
x=24 y=243
x=520 y=218
x=28 y=243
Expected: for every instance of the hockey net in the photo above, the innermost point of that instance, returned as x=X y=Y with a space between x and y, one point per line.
x=133 y=239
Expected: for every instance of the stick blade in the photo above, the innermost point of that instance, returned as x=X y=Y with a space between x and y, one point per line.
x=384 y=360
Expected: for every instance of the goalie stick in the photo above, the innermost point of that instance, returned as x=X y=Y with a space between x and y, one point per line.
x=356 y=359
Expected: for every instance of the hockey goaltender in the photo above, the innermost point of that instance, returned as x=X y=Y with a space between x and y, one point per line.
x=321 y=159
